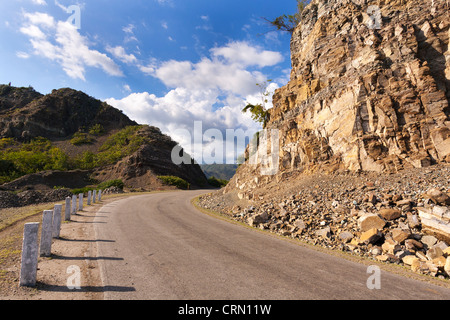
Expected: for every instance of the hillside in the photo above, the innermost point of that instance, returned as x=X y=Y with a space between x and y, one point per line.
x=67 y=139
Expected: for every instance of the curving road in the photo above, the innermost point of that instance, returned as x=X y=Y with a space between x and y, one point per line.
x=159 y=247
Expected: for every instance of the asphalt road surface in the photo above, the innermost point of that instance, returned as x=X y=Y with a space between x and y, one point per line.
x=160 y=247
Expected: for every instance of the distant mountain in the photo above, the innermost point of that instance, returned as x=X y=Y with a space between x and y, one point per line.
x=69 y=131
x=220 y=171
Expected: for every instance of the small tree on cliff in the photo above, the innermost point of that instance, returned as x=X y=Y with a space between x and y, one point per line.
x=259 y=111
x=290 y=21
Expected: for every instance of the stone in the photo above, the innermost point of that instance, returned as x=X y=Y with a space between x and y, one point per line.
x=370 y=236
x=390 y=214
x=369 y=221
x=439 y=261
x=429 y=240
x=447 y=266
x=434 y=252
x=413 y=220
x=300 y=224
x=399 y=235
x=412 y=244
x=390 y=246
x=421 y=256
x=324 y=233
x=438 y=197
x=346 y=236
x=409 y=259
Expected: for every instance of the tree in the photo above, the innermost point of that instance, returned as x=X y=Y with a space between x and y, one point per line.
x=259 y=111
x=289 y=22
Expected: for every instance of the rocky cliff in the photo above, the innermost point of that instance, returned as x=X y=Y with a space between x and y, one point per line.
x=364 y=136
x=369 y=89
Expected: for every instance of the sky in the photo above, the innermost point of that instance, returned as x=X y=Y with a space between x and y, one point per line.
x=186 y=66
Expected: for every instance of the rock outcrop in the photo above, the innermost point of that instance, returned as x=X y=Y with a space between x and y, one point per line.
x=368 y=97
x=364 y=136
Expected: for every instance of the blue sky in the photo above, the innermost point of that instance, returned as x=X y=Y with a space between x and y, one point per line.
x=166 y=63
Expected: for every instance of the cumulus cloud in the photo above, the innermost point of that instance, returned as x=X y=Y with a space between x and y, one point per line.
x=61 y=42
x=210 y=93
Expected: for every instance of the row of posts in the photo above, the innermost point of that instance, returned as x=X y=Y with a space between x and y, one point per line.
x=51 y=226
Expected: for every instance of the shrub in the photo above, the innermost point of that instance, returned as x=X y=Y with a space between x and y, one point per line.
x=111 y=183
x=97 y=130
x=81 y=138
x=175 y=181
x=218 y=183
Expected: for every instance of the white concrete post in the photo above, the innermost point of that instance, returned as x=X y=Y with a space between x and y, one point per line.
x=74 y=204
x=80 y=202
x=89 y=197
x=46 y=233
x=67 y=210
x=94 y=196
x=57 y=220
x=99 y=195
x=28 y=268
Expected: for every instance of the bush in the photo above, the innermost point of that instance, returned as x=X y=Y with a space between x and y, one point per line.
x=218 y=183
x=97 y=130
x=111 y=183
x=81 y=138
x=175 y=181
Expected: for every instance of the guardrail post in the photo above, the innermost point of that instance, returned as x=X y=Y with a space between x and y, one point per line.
x=67 y=209
x=28 y=268
x=80 y=202
x=74 y=204
x=57 y=220
x=46 y=233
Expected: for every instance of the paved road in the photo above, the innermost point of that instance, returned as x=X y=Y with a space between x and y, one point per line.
x=160 y=247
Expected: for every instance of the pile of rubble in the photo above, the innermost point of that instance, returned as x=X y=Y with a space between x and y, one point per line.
x=391 y=220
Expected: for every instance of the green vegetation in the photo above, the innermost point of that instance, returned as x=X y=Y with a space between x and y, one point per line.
x=102 y=186
x=97 y=130
x=118 y=146
x=111 y=183
x=218 y=183
x=17 y=159
x=81 y=138
x=289 y=22
x=175 y=181
x=32 y=157
x=259 y=111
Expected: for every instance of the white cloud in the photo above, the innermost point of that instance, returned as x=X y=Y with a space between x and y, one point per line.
x=243 y=54
x=61 y=42
x=22 y=55
x=119 y=53
x=212 y=92
x=177 y=111
x=39 y=2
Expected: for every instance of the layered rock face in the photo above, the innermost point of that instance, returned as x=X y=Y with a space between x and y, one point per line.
x=369 y=88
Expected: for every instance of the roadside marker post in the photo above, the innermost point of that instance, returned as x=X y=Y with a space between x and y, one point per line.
x=80 y=202
x=46 y=233
x=28 y=268
x=57 y=220
x=67 y=209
